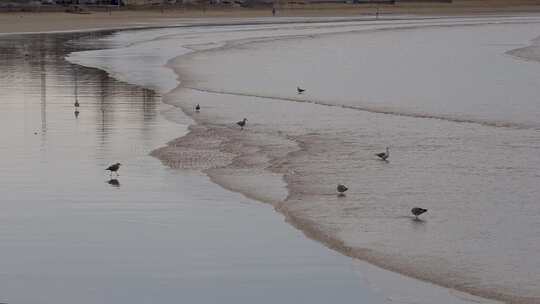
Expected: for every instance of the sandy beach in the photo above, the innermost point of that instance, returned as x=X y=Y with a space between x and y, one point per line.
x=11 y=22
x=452 y=133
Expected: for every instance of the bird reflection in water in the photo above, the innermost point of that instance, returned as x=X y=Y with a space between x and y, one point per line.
x=114 y=182
x=76 y=113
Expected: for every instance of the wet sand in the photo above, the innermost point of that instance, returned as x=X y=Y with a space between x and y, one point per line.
x=479 y=234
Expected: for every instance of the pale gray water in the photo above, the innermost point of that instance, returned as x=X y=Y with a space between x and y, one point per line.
x=411 y=70
x=161 y=235
x=67 y=235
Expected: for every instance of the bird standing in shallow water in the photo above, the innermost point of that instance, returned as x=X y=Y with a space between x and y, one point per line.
x=114 y=168
x=299 y=90
x=197 y=108
x=383 y=155
x=341 y=189
x=416 y=211
x=242 y=123
x=77 y=104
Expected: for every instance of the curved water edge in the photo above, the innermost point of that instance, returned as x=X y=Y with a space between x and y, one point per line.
x=313 y=228
x=388 y=111
x=261 y=159
x=247 y=164
x=397 y=109
x=528 y=53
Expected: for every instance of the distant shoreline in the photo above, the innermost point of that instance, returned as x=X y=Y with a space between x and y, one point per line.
x=41 y=21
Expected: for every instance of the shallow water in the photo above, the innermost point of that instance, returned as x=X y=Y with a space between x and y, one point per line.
x=465 y=77
x=69 y=234
x=481 y=230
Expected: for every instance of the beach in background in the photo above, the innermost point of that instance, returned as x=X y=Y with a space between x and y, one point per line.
x=47 y=18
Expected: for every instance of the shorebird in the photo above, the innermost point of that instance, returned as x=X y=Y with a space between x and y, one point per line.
x=197 y=108
x=416 y=211
x=341 y=189
x=242 y=123
x=299 y=90
x=384 y=155
x=114 y=168
x=76 y=113
x=76 y=103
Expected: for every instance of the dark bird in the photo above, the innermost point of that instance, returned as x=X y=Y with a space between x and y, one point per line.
x=299 y=90
x=416 y=211
x=114 y=182
x=384 y=155
x=197 y=108
x=77 y=104
x=242 y=123
x=114 y=168
x=341 y=189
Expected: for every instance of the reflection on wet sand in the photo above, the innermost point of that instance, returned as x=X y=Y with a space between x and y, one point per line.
x=43 y=86
x=114 y=182
x=35 y=62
